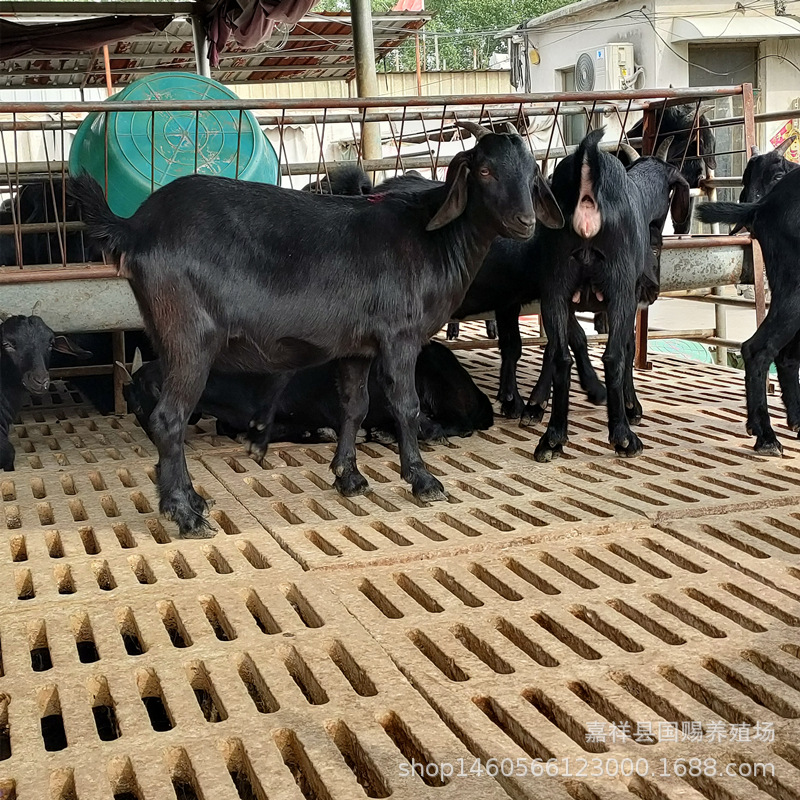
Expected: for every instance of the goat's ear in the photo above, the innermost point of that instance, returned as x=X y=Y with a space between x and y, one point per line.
x=456 y=200
x=65 y=345
x=127 y=378
x=681 y=204
x=545 y=205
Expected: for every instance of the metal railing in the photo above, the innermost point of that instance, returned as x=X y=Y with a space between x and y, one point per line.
x=310 y=136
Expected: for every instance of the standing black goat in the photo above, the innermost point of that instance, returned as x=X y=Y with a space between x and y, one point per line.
x=599 y=256
x=774 y=221
x=308 y=410
x=26 y=344
x=321 y=278
x=764 y=170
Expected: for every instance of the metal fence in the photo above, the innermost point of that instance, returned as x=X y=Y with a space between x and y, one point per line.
x=386 y=136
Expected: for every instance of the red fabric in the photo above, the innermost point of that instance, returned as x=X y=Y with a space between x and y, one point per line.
x=82 y=36
x=417 y=6
x=250 y=21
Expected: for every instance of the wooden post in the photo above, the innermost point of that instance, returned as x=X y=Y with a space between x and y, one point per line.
x=118 y=350
x=419 y=65
x=107 y=63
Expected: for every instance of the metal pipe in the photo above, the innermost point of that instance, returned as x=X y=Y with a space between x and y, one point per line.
x=200 y=42
x=366 y=77
x=373 y=102
x=71 y=272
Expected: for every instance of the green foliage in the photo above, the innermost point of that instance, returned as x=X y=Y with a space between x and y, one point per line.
x=465 y=29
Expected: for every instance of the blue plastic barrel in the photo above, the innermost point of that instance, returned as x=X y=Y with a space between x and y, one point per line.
x=228 y=143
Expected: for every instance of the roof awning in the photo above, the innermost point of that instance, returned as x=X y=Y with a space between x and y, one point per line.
x=723 y=27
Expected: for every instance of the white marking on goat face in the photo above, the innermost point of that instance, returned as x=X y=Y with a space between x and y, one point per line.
x=586 y=220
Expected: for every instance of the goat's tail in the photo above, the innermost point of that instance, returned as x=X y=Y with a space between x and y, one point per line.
x=109 y=230
x=738 y=214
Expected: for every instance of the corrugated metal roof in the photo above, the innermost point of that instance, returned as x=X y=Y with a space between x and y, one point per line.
x=319 y=47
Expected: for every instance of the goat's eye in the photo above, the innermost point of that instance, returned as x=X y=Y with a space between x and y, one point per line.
x=484 y=172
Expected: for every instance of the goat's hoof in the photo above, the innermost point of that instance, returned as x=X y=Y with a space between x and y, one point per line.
x=630 y=446
x=545 y=451
x=532 y=415
x=634 y=414
x=453 y=329
x=427 y=488
x=382 y=437
x=328 y=435
x=597 y=396
x=766 y=447
x=351 y=484
x=794 y=426
x=511 y=407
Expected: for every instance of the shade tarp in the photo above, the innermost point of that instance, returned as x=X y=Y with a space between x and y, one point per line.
x=79 y=36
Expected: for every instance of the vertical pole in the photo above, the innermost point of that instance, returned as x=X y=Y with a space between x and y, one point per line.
x=649 y=131
x=118 y=350
x=748 y=111
x=436 y=51
x=200 y=46
x=366 y=76
x=107 y=64
x=419 y=65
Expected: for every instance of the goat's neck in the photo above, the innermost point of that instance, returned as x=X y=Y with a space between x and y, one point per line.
x=468 y=241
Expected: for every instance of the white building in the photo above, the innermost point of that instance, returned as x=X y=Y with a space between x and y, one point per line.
x=669 y=43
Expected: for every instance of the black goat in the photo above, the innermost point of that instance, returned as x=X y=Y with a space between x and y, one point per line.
x=774 y=222
x=38 y=203
x=26 y=344
x=598 y=257
x=658 y=190
x=763 y=171
x=342 y=179
x=308 y=410
x=378 y=276
x=691 y=134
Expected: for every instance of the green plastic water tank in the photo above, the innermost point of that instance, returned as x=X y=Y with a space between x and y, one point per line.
x=139 y=160
x=681 y=347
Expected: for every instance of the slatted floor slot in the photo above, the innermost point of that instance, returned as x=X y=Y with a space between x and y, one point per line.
x=332 y=648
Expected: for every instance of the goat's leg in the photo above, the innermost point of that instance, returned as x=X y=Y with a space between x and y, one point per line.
x=633 y=408
x=399 y=359
x=184 y=381
x=778 y=330
x=491 y=329
x=510 y=343
x=259 y=431
x=555 y=317
x=788 y=364
x=618 y=359
x=6 y=454
x=540 y=394
x=589 y=381
x=354 y=397
x=453 y=329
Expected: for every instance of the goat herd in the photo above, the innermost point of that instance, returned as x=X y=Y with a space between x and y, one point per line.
x=263 y=301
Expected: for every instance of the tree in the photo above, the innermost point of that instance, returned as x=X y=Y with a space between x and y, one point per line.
x=466 y=29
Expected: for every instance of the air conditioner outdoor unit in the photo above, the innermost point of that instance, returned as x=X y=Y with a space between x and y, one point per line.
x=606 y=67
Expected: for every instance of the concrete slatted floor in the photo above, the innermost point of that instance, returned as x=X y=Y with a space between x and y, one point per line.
x=590 y=613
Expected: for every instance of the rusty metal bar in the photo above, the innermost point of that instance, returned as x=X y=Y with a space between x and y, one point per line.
x=375 y=102
x=72 y=272
x=118 y=354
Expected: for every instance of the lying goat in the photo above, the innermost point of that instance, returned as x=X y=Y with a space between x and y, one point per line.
x=321 y=278
x=773 y=222
x=26 y=344
x=308 y=410
x=342 y=179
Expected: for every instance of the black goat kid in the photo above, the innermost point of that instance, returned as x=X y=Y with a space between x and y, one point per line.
x=308 y=410
x=601 y=253
x=774 y=222
x=764 y=170
x=323 y=278
x=26 y=344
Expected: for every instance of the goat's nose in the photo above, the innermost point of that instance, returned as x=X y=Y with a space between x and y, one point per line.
x=526 y=220
x=40 y=385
